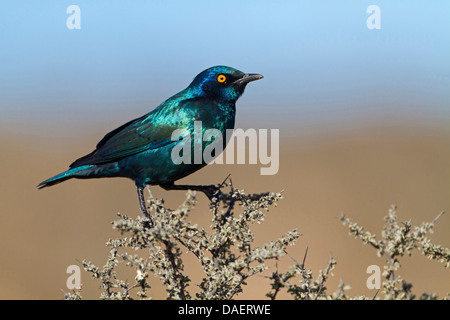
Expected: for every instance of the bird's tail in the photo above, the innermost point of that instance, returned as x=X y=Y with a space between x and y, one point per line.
x=77 y=172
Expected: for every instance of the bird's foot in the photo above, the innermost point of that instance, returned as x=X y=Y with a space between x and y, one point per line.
x=213 y=192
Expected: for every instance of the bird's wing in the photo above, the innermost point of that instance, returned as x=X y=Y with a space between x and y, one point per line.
x=148 y=132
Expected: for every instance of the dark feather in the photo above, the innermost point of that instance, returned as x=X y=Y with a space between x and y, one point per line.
x=133 y=137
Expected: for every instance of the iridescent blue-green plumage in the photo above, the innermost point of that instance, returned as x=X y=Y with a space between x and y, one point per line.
x=141 y=148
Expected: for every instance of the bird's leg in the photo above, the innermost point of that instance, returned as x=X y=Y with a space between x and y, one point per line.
x=142 y=204
x=209 y=190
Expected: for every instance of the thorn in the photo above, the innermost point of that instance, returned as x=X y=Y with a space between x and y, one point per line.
x=304 y=258
x=375 y=294
x=149 y=191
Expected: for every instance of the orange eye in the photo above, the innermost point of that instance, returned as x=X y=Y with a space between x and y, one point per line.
x=221 y=78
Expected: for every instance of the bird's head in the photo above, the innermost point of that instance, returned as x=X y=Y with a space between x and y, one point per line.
x=223 y=83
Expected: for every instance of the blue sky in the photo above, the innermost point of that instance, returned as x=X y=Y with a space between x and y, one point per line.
x=321 y=63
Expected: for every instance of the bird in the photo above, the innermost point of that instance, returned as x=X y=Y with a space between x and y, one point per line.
x=141 y=149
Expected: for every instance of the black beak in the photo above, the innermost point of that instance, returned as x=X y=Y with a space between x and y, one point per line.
x=248 y=78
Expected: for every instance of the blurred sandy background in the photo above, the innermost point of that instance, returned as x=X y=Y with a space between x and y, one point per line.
x=359 y=173
x=363 y=116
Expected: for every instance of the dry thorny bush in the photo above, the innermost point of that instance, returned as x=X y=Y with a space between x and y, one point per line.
x=228 y=259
